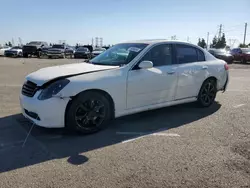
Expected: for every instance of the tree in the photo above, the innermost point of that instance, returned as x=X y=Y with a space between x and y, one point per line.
x=221 y=42
x=214 y=42
x=50 y=44
x=243 y=45
x=199 y=42
x=9 y=44
x=202 y=43
x=6 y=44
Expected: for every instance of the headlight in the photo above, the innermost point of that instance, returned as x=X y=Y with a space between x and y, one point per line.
x=53 y=89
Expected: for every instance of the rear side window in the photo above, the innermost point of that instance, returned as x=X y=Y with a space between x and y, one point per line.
x=188 y=54
x=201 y=56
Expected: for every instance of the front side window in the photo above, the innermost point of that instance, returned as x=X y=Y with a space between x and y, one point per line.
x=159 y=55
x=186 y=54
x=120 y=54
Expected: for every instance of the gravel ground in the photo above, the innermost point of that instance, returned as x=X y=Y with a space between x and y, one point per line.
x=180 y=146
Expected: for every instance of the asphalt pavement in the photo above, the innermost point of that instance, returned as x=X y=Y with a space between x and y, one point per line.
x=179 y=146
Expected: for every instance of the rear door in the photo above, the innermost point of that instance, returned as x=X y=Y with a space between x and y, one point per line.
x=191 y=70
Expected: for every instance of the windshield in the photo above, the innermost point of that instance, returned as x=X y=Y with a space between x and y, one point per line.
x=245 y=50
x=58 y=46
x=35 y=43
x=119 y=54
x=99 y=49
x=16 y=47
x=83 y=49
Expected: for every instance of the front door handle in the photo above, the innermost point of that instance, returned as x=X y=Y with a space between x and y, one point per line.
x=204 y=67
x=171 y=72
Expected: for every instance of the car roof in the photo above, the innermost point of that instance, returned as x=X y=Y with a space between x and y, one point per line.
x=155 y=41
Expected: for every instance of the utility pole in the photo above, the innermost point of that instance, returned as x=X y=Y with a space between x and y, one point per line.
x=207 y=39
x=245 y=34
x=188 y=39
x=220 y=31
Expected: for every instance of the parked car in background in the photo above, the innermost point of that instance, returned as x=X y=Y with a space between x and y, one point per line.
x=44 y=51
x=241 y=54
x=60 y=51
x=2 y=50
x=15 y=51
x=34 y=48
x=97 y=51
x=222 y=54
x=82 y=52
x=127 y=78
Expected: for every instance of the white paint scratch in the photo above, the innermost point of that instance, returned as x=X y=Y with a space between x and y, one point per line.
x=239 y=105
x=146 y=135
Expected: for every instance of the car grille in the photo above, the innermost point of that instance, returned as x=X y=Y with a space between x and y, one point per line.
x=29 y=89
x=30 y=48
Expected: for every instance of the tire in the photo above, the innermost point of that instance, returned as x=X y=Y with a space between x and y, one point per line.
x=207 y=93
x=88 y=113
x=38 y=54
x=20 y=54
x=243 y=60
x=25 y=55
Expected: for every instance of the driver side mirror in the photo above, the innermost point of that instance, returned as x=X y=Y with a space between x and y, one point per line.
x=146 y=65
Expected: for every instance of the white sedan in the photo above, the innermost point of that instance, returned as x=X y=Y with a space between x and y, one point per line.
x=2 y=50
x=126 y=79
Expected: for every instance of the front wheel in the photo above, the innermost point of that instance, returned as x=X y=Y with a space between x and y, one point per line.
x=243 y=60
x=89 y=112
x=207 y=93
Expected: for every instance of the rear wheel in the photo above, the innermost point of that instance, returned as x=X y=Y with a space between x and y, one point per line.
x=243 y=60
x=207 y=93
x=25 y=55
x=89 y=112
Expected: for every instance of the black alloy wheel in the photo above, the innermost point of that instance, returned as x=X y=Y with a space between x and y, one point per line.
x=89 y=112
x=207 y=93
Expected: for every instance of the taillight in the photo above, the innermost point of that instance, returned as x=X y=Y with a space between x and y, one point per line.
x=226 y=66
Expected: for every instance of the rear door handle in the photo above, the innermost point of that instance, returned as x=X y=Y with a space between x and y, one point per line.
x=171 y=72
x=204 y=67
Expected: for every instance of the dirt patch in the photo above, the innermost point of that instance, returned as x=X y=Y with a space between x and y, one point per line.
x=242 y=149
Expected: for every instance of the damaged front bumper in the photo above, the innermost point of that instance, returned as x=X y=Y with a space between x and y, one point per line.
x=48 y=113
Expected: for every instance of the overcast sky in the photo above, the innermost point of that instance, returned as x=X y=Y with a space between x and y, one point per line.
x=121 y=20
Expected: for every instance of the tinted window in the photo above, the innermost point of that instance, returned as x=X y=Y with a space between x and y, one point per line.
x=200 y=54
x=160 y=55
x=186 y=54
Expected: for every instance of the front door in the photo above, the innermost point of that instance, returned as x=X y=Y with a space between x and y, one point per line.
x=154 y=85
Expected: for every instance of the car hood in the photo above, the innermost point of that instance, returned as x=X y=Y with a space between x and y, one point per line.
x=97 y=52
x=45 y=75
x=224 y=54
x=13 y=50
